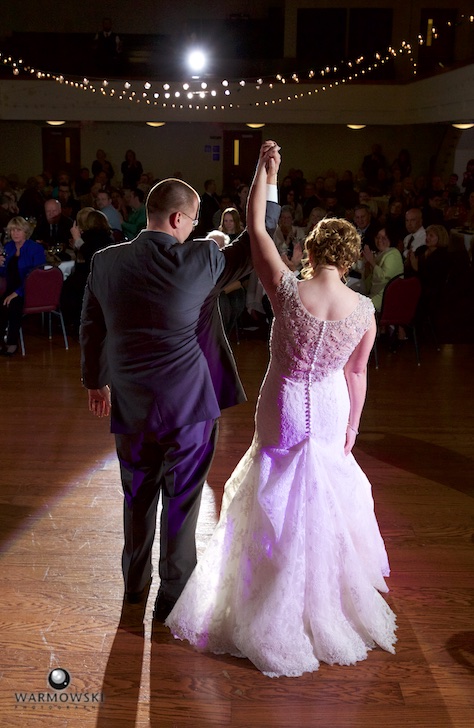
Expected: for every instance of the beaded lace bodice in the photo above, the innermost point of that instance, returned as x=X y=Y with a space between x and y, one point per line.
x=304 y=346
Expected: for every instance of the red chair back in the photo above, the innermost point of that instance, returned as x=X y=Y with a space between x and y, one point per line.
x=400 y=301
x=43 y=290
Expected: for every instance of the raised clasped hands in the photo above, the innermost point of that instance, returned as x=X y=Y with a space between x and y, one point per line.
x=270 y=156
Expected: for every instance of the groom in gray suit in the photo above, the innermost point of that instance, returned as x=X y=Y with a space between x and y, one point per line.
x=151 y=329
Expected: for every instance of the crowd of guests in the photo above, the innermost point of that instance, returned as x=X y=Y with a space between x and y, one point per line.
x=63 y=221
x=405 y=225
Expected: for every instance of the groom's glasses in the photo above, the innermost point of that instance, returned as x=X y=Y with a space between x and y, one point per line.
x=194 y=222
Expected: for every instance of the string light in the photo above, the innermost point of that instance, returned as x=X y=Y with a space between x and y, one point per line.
x=196 y=91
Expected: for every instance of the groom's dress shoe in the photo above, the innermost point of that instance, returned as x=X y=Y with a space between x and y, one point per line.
x=163 y=607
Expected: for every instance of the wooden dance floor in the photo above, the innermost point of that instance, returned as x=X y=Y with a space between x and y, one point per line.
x=61 y=539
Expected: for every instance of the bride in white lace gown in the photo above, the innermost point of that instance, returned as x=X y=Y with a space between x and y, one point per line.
x=293 y=571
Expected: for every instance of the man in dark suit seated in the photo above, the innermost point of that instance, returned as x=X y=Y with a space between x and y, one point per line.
x=366 y=226
x=54 y=230
x=151 y=329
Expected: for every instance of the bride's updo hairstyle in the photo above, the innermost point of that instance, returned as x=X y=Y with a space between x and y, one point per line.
x=333 y=241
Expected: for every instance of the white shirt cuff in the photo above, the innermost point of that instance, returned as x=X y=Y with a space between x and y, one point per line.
x=272 y=193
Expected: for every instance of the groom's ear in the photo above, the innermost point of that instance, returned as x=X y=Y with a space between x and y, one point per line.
x=174 y=219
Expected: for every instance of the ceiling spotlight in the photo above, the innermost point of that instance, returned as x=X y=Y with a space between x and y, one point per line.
x=465 y=125
x=55 y=123
x=156 y=123
x=356 y=126
x=255 y=126
x=196 y=61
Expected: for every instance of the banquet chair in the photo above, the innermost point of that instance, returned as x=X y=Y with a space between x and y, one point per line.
x=42 y=295
x=399 y=306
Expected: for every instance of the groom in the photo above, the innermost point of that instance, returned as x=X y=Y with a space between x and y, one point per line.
x=152 y=331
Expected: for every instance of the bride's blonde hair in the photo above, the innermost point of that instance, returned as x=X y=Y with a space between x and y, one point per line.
x=333 y=241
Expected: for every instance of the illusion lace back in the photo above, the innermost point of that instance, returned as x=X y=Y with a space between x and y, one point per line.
x=293 y=571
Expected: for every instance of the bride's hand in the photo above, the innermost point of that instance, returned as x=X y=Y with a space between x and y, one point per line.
x=350 y=440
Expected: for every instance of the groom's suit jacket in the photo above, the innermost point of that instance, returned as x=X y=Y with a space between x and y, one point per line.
x=151 y=329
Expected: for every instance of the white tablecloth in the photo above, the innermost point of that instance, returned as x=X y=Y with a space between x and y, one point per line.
x=66 y=268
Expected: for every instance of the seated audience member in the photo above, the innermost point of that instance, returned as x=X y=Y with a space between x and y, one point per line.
x=452 y=189
x=288 y=199
x=82 y=183
x=468 y=178
x=467 y=213
x=225 y=201
x=416 y=234
x=31 y=202
x=382 y=266
x=332 y=205
x=232 y=298
x=372 y=163
x=69 y=206
x=78 y=227
x=8 y=209
x=287 y=234
x=294 y=258
x=345 y=190
x=241 y=202
x=230 y=223
x=54 y=229
x=433 y=209
x=310 y=199
x=394 y=222
x=316 y=214
x=91 y=233
x=104 y=204
x=365 y=198
x=136 y=220
x=131 y=169
x=118 y=201
x=410 y=194
x=20 y=256
x=402 y=164
x=366 y=226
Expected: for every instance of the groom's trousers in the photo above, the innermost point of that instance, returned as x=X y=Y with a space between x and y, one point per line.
x=174 y=463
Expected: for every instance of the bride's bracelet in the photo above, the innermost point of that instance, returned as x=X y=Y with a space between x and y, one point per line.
x=352 y=428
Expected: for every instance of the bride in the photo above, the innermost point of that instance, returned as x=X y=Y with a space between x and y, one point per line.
x=293 y=572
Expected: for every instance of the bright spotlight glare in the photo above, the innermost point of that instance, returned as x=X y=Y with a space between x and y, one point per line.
x=196 y=60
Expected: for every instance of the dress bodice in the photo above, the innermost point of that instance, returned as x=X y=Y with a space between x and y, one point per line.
x=305 y=347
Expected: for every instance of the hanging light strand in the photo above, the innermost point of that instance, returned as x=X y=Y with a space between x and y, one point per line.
x=216 y=94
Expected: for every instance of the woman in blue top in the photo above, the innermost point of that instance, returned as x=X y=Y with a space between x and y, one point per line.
x=19 y=257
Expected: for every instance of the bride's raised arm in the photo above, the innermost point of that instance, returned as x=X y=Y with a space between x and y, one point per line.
x=266 y=259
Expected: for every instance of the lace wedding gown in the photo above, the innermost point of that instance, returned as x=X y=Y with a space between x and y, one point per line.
x=292 y=573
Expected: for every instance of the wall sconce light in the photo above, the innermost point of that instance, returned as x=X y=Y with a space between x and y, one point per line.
x=156 y=123
x=463 y=125
x=356 y=126
x=255 y=126
x=55 y=123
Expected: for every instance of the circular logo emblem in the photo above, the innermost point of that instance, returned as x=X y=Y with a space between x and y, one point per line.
x=59 y=678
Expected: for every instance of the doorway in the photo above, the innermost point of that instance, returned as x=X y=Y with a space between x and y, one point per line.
x=61 y=150
x=241 y=150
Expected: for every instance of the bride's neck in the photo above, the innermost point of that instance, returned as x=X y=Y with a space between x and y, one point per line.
x=327 y=272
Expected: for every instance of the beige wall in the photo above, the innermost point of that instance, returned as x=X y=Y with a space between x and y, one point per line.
x=180 y=148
